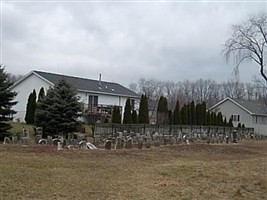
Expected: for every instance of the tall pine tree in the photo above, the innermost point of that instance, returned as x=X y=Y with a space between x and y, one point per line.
x=162 y=111
x=59 y=110
x=6 y=103
x=193 y=113
x=41 y=94
x=30 y=109
x=143 y=110
x=134 y=117
x=116 y=115
x=127 y=115
x=177 y=114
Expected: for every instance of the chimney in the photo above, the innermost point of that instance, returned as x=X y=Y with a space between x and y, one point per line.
x=99 y=80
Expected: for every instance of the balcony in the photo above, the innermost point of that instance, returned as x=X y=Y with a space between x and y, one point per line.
x=102 y=109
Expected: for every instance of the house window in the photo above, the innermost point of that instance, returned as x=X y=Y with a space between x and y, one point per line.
x=236 y=118
x=93 y=100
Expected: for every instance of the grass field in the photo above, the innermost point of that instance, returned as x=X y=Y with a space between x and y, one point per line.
x=197 y=171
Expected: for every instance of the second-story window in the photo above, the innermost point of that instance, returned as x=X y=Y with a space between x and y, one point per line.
x=93 y=100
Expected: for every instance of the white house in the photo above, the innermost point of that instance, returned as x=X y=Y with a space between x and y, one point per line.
x=99 y=97
x=250 y=113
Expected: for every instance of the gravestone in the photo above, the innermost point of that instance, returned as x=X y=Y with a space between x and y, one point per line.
x=14 y=139
x=7 y=140
x=227 y=139
x=49 y=140
x=108 y=144
x=140 y=144
x=37 y=138
x=25 y=140
x=59 y=146
x=128 y=144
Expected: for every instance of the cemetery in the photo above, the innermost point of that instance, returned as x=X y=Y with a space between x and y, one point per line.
x=135 y=162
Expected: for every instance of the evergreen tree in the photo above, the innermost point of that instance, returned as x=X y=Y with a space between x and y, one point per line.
x=41 y=93
x=230 y=123
x=143 y=110
x=199 y=120
x=170 y=116
x=184 y=115
x=58 y=111
x=134 y=117
x=162 y=111
x=127 y=115
x=177 y=114
x=30 y=109
x=203 y=113
x=193 y=113
x=208 y=120
x=188 y=108
x=116 y=115
x=225 y=122
x=6 y=103
x=219 y=119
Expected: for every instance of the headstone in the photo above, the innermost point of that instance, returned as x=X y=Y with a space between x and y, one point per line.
x=227 y=139
x=25 y=140
x=7 y=140
x=38 y=138
x=42 y=142
x=128 y=144
x=139 y=144
x=108 y=144
x=59 y=146
x=49 y=140
x=14 y=139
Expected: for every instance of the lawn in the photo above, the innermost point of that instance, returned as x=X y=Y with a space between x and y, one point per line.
x=195 y=171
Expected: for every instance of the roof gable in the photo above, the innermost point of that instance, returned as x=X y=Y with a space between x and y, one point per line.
x=252 y=107
x=85 y=85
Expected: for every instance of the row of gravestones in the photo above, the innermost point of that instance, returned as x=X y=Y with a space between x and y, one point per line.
x=24 y=137
x=126 y=141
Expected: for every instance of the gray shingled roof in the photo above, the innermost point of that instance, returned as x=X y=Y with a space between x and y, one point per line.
x=255 y=107
x=83 y=84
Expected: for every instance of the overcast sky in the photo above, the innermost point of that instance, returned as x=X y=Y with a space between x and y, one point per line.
x=124 y=41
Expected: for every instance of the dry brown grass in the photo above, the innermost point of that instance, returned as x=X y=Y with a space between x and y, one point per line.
x=197 y=171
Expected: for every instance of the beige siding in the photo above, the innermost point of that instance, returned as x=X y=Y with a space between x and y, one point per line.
x=228 y=108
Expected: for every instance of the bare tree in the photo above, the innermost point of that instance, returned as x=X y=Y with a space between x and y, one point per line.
x=249 y=41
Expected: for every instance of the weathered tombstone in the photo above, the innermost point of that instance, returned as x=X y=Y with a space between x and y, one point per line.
x=108 y=144
x=156 y=139
x=140 y=144
x=59 y=146
x=38 y=138
x=227 y=139
x=49 y=140
x=42 y=141
x=25 y=140
x=234 y=136
x=14 y=139
x=7 y=140
x=128 y=144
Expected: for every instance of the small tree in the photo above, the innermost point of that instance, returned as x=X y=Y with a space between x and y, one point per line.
x=193 y=113
x=143 y=110
x=59 y=110
x=116 y=115
x=170 y=117
x=162 y=111
x=177 y=114
x=6 y=103
x=30 y=108
x=41 y=94
x=134 y=117
x=127 y=116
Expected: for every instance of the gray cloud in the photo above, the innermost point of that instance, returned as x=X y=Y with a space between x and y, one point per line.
x=123 y=41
